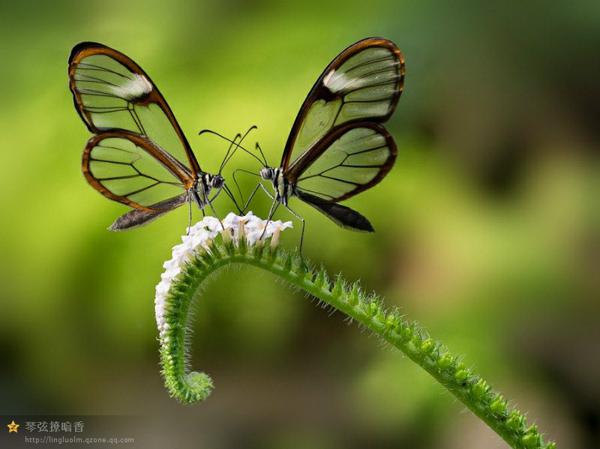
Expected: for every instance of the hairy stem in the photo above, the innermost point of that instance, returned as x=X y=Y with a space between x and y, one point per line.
x=190 y=386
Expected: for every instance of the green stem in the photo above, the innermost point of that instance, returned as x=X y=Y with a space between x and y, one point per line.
x=409 y=337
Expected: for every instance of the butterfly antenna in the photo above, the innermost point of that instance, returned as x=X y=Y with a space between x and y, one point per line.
x=257 y=146
x=230 y=152
x=252 y=128
x=261 y=153
x=237 y=145
x=229 y=140
x=231 y=144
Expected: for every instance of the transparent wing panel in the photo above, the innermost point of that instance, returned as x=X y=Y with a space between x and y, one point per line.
x=362 y=84
x=126 y=172
x=112 y=93
x=358 y=159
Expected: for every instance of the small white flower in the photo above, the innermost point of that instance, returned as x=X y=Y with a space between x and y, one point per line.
x=198 y=240
x=278 y=226
x=254 y=235
x=231 y=220
x=162 y=288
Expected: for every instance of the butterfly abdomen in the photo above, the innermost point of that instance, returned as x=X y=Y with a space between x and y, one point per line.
x=282 y=186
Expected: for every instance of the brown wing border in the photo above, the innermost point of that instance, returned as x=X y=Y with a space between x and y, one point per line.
x=169 y=162
x=319 y=91
x=86 y=49
x=301 y=164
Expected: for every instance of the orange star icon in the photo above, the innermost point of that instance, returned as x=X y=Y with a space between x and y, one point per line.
x=13 y=427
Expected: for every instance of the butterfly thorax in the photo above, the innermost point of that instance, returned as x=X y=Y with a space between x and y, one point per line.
x=283 y=187
x=203 y=186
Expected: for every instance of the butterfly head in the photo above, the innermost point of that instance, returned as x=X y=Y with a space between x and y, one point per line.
x=217 y=181
x=267 y=173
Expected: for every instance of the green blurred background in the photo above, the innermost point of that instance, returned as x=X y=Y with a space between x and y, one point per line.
x=487 y=228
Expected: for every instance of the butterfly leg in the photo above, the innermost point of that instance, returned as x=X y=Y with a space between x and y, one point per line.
x=209 y=203
x=232 y=197
x=272 y=211
x=251 y=197
x=237 y=185
x=269 y=194
x=303 y=226
x=274 y=206
x=189 y=200
x=216 y=215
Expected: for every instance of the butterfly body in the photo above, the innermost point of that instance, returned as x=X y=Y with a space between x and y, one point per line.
x=281 y=185
x=203 y=186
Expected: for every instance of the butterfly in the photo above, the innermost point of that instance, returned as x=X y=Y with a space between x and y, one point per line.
x=337 y=146
x=127 y=159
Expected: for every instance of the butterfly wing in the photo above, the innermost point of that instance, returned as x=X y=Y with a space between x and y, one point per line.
x=112 y=93
x=138 y=217
x=132 y=170
x=363 y=83
x=348 y=160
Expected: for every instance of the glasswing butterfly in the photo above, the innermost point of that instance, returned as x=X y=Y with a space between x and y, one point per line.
x=337 y=147
x=127 y=160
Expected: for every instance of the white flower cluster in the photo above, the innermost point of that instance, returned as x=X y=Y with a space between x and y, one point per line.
x=199 y=239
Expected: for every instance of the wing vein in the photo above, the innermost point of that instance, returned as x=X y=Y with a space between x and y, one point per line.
x=88 y=66
x=385 y=83
x=372 y=61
